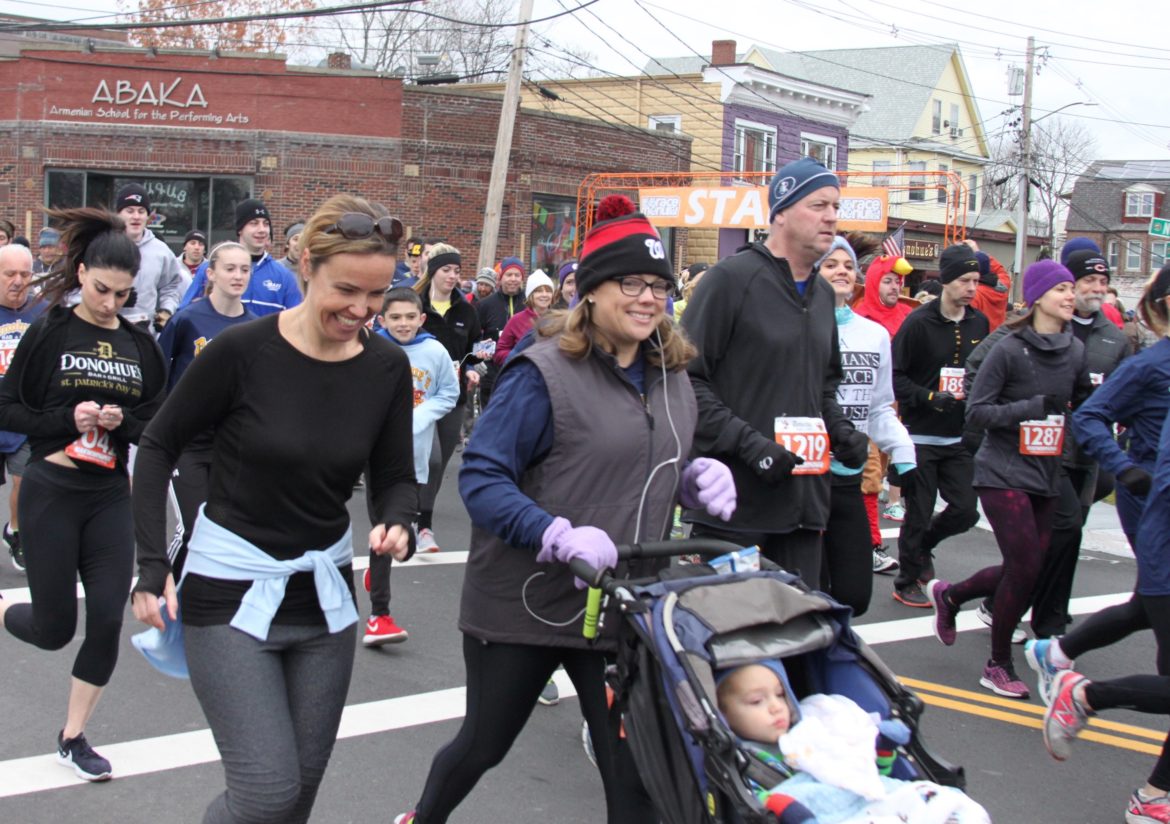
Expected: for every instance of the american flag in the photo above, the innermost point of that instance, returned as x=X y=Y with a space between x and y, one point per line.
x=895 y=244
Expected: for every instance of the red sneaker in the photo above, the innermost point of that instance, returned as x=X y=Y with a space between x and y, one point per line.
x=1147 y=810
x=381 y=629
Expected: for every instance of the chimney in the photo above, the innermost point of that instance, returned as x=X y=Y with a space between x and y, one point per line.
x=723 y=53
x=340 y=60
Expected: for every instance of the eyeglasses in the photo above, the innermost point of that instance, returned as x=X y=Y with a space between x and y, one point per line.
x=633 y=287
x=358 y=226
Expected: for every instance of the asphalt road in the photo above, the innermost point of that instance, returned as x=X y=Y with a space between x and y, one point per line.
x=405 y=702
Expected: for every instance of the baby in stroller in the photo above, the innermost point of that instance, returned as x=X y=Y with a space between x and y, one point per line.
x=836 y=755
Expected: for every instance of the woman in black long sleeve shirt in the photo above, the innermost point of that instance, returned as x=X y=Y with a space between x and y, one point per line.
x=301 y=403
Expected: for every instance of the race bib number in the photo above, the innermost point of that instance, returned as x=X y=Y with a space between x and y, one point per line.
x=93 y=447
x=7 y=347
x=807 y=438
x=1042 y=438
x=1096 y=378
x=950 y=379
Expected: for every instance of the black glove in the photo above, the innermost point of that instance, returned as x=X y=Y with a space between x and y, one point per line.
x=988 y=279
x=943 y=402
x=904 y=480
x=849 y=446
x=1136 y=480
x=772 y=462
x=1055 y=405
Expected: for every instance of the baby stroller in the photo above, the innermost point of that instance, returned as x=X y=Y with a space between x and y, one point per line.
x=678 y=629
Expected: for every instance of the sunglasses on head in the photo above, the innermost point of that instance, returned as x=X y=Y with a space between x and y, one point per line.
x=357 y=226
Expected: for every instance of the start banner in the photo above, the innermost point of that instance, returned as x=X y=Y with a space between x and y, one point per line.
x=862 y=208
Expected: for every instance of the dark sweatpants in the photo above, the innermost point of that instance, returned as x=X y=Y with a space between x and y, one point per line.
x=948 y=471
x=847 y=560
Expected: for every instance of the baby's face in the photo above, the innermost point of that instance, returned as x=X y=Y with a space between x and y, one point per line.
x=753 y=700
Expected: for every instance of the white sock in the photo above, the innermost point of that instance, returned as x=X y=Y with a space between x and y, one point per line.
x=1056 y=656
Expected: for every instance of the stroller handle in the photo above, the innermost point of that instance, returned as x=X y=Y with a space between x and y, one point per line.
x=651 y=549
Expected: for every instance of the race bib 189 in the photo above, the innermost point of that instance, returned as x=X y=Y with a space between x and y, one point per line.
x=1042 y=438
x=93 y=447
x=807 y=438
x=950 y=379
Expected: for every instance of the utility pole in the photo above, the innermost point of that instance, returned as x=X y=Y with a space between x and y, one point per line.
x=499 y=177
x=1025 y=170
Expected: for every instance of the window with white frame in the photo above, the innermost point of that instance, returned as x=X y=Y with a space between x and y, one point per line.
x=1112 y=252
x=942 y=189
x=1133 y=255
x=665 y=123
x=954 y=120
x=936 y=117
x=1139 y=204
x=1158 y=250
x=881 y=172
x=917 y=181
x=755 y=147
x=819 y=147
x=972 y=196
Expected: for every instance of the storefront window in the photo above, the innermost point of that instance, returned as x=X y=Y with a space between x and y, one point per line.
x=554 y=227
x=177 y=204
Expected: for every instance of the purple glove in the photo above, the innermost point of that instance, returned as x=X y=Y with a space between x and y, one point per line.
x=707 y=484
x=563 y=542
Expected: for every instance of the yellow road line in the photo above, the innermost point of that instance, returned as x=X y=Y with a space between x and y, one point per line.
x=1023 y=719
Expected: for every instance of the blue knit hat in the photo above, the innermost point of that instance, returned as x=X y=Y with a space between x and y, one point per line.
x=1042 y=276
x=48 y=237
x=838 y=243
x=1076 y=244
x=512 y=263
x=796 y=181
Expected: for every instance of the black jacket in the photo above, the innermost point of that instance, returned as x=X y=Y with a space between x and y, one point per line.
x=765 y=351
x=458 y=331
x=925 y=343
x=23 y=390
x=494 y=313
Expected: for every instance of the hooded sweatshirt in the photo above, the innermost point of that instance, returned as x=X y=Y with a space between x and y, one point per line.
x=871 y=307
x=160 y=281
x=436 y=390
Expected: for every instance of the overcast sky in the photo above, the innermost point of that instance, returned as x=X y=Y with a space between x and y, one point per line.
x=1112 y=59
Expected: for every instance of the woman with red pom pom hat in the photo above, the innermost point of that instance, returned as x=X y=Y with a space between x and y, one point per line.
x=610 y=372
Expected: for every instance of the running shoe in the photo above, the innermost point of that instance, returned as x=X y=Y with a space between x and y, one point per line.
x=883 y=564
x=15 y=550
x=912 y=596
x=404 y=818
x=984 y=615
x=550 y=696
x=425 y=541
x=382 y=630
x=78 y=754
x=1036 y=654
x=894 y=512
x=944 y=611
x=587 y=743
x=1002 y=680
x=1147 y=810
x=1065 y=718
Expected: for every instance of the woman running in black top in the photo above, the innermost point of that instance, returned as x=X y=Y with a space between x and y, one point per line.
x=301 y=402
x=82 y=385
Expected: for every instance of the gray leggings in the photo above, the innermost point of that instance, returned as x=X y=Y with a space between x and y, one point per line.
x=274 y=707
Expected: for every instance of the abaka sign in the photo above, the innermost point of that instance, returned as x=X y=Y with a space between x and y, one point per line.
x=149 y=102
x=160 y=94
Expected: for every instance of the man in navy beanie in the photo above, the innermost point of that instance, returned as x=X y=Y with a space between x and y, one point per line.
x=767 y=337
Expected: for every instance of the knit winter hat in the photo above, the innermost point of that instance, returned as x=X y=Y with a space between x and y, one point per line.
x=1085 y=262
x=132 y=194
x=956 y=261
x=839 y=243
x=535 y=281
x=623 y=243
x=511 y=263
x=248 y=210
x=437 y=262
x=487 y=275
x=1078 y=244
x=48 y=237
x=1042 y=276
x=195 y=234
x=567 y=268
x=796 y=181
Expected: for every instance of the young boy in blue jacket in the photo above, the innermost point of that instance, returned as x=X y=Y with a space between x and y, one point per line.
x=436 y=390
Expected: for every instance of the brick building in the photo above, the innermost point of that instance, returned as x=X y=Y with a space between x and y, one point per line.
x=203 y=132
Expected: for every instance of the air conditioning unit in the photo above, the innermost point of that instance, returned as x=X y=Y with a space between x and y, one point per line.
x=956 y=132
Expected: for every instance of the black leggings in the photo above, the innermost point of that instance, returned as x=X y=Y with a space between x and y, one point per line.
x=71 y=523
x=1022 y=523
x=847 y=560
x=449 y=429
x=503 y=683
x=1143 y=693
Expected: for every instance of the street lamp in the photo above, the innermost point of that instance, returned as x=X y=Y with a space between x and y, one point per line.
x=1025 y=168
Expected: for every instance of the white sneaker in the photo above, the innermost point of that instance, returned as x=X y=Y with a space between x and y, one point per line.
x=1018 y=635
x=882 y=562
x=425 y=541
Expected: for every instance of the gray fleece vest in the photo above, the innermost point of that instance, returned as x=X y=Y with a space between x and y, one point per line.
x=606 y=443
